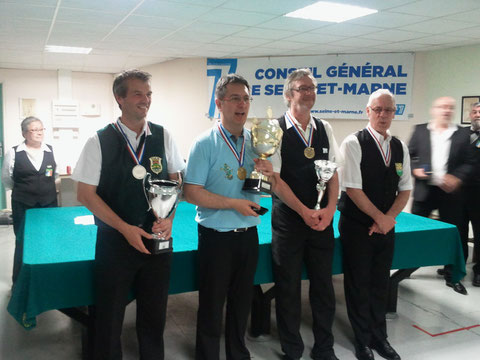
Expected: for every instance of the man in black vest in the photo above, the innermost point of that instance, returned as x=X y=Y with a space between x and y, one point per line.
x=376 y=184
x=472 y=193
x=442 y=161
x=299 y=233
x=110 y=173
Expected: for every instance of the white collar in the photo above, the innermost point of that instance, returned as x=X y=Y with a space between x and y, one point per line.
x=289 y=125
x=23 y=147
x=131 y=133
x=378 y=135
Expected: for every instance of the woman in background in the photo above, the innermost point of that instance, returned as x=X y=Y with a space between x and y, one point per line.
x=29 y=170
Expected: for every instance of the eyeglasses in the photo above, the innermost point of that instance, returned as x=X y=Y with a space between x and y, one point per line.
x=379 y=110
x=305 y=89
x=37 y=130
x=238 y=99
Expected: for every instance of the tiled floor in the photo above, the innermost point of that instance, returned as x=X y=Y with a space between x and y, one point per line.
x=424 y=301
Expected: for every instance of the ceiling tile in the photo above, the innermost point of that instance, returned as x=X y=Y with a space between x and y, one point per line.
x=276 y=7
x=389 y=19
x=314 y=38
x=346 y=29
x=22 y=10
x=213 y=28
x=437 y=26
x=397 y=35
x=227 y=16
x=171 y=10
x=265 y=33
x=437 y=8
x=88 y=16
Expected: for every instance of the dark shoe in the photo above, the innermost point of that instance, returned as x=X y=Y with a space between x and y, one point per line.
x=457 y=287
x=385 y=350
x=441 y=272
x=364 y=353
x=324 y=357
x=286 y=357
x=476 y=280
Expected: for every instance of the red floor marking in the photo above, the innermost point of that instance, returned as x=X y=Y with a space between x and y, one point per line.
x=446 y=332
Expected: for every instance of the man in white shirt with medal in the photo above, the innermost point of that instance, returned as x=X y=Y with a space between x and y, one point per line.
x=110 y=175
x=376 y=185
x=299 y=233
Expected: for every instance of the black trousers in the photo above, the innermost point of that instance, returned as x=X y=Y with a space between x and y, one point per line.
x=451 y=210
x=472 y=214
x=118 y=268
x=227 y=262
x=366 y=266
x=18 y=216
x=292 y=246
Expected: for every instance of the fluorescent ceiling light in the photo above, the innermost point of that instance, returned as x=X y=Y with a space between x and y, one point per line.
x=67 y=49
x=331 y=12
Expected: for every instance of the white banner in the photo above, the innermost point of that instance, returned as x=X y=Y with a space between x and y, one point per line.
x=344 y=82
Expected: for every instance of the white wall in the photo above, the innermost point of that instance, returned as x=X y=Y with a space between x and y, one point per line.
x=87 y=88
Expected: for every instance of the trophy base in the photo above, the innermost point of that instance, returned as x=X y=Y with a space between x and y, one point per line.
x=257 y=186
x=158 y=246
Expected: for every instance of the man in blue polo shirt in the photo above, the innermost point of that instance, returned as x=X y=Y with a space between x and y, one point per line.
x=227 y=235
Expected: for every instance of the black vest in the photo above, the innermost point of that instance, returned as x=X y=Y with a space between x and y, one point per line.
x=117 y=187
x=298 y=171
x=32 y=187
x=379 y=182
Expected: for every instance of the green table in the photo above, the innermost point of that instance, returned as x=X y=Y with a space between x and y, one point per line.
x=57 y=270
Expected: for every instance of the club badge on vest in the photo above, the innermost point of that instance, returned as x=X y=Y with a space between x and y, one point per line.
x=399 y=168
x=156 y=164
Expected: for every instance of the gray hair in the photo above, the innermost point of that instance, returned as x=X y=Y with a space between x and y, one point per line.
x=294 y=76
x=120 y=87
x=475 y=105
x=380 y=92
x=27 y=121
x=221 y=89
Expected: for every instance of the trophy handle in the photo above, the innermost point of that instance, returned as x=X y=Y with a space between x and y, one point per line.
x=145 y=179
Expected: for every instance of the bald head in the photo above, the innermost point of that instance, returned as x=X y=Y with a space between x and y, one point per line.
x=442 y=110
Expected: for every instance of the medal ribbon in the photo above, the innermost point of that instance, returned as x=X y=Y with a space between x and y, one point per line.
x=388 y=155
x=240 y=157
x=308 y=143
x=137 y=159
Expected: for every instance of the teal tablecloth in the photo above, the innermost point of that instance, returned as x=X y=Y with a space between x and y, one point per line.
x=57 y=268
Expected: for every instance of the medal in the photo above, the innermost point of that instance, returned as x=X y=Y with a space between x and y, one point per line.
x=139 y=172
x=309 y=152
x=241 y=173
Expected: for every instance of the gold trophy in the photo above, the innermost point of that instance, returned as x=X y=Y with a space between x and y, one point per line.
x=266 y=138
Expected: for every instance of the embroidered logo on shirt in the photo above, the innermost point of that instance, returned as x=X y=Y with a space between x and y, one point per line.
x=228 y=171
x=156 y=164
x=325 y=150
x=399 y=168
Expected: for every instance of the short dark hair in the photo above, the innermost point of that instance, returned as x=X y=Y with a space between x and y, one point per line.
x=120 y=83
x=222 y=83
x=27 y=121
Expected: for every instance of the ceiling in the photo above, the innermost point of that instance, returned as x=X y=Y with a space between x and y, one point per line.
x=135 y=33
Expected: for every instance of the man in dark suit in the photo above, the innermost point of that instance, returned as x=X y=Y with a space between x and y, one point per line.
x=472 y=193
x=441 y=162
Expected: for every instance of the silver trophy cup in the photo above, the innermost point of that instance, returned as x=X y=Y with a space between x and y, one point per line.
x=162 y=197
x=325 y=170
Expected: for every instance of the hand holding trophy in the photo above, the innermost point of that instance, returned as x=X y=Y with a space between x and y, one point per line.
x=325 y=170
x=266 y=138
x=162 y=197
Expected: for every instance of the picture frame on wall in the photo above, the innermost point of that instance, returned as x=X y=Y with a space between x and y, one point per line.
x=467 y=102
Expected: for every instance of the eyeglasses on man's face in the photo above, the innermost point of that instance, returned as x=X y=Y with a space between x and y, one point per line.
x=305 y=89
x=238 y=99
x=34 y=131
x=379 y=110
